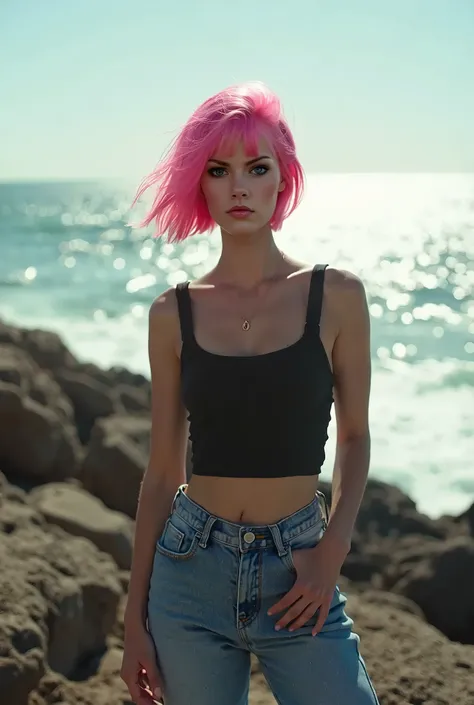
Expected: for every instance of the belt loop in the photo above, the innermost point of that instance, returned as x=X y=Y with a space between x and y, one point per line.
x=325 y=505
x=175 y=499
x=207 y=530
x=276 y=533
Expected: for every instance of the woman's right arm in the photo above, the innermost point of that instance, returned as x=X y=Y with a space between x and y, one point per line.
x=167 y=458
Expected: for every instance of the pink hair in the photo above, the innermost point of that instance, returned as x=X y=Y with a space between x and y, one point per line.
x=247 y=112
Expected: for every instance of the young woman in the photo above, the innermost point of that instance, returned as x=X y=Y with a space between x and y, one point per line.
x=247 y=361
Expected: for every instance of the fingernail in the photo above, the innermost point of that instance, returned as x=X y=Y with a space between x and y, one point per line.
x=277 y=627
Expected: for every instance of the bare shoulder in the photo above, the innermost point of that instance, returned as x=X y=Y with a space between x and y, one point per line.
x=163 y=318
x=165 y=305
x=346 y=297
x=344 y=287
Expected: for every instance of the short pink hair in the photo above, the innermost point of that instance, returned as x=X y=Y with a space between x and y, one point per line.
x=247 y=111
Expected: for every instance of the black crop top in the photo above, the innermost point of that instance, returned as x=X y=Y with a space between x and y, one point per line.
x=261 y=415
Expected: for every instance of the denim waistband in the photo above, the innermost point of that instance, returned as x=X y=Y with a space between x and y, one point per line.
x=249 y=536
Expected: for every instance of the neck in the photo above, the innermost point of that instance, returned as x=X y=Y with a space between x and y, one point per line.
x=247 y=260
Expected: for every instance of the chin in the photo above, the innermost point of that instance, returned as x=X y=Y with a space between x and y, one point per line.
x=244 y=227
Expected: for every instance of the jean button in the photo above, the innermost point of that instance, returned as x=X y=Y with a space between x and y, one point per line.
x=249 y=537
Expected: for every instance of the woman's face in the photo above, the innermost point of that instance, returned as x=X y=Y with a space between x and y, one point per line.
x=241 y=181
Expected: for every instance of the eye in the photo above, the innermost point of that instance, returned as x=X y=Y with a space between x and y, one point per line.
x=216 y=171
x=263 y=168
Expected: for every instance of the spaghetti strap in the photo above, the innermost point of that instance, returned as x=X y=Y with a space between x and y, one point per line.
x=185 y=312
x=315 y=298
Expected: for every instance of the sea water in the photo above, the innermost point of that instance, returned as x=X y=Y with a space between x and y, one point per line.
x=70 y=263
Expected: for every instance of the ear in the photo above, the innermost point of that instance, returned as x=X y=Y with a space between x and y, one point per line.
x=282 y=186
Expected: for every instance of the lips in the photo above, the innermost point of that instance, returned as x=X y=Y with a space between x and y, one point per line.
x=240 y=209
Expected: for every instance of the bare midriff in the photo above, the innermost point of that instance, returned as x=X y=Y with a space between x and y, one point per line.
x=257 y=501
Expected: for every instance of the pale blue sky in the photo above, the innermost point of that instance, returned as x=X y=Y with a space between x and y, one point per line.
x=93 y=88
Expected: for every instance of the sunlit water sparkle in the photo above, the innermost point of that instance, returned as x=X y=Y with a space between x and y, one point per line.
x=70 y=264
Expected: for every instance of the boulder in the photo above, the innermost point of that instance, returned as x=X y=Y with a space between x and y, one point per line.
x=133 y=399
x=467 y=519
x=104 y=688
x=441 y=582
x=16 y=515
x=114 y=464
x=386 y=511
x=409 y=660
x=34 y=441
x=10 y=334
x=63 y=592
x=47 y=349
x=81 y=514
x=22 y=663
x=19 y=369
x=90 y=398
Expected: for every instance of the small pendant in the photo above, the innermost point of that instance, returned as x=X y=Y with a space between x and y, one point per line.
x=246 y=325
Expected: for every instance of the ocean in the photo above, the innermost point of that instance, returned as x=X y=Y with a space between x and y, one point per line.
x=69 y=263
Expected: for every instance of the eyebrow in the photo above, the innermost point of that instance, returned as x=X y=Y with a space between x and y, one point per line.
x=252 y=161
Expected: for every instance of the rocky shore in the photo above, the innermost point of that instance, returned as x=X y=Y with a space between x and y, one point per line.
x=73 y=447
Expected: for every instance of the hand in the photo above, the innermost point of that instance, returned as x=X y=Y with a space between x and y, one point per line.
x=139 y=668
x=317 y=571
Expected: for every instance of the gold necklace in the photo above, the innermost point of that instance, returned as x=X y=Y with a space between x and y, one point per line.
x=247 y=322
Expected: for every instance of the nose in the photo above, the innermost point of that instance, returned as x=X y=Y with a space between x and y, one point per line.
x=239 y=191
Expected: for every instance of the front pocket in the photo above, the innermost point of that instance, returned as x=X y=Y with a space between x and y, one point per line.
x=307 y=539
x=179 y=543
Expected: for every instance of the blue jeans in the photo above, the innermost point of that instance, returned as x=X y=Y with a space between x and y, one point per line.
x=211 y=586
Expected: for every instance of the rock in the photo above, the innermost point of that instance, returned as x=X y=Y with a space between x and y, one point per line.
x=120 y=375
x=64 y=586
x=34 y=442
x=361 y=567
x=112 y=455
x=378 y=598
x=105 y=688
x=21 y=658
x=15 y=515
x=11 y=493
x=124 y=579
x=9 y=334
x=467 y=518
x=136 y=427
x=386 y=511
x=410 y=661
x=442 y=584
x=98 y=393
x=91 y=399
x=47 y=349
x=46 y=391
x=97 y=374
x=18 y=368
x=81 y=514
x=133 y=399
x=23 y=643
x=111 y=663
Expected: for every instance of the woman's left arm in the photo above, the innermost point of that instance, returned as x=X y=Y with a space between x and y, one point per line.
x=352 y=377
x=318 y=568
